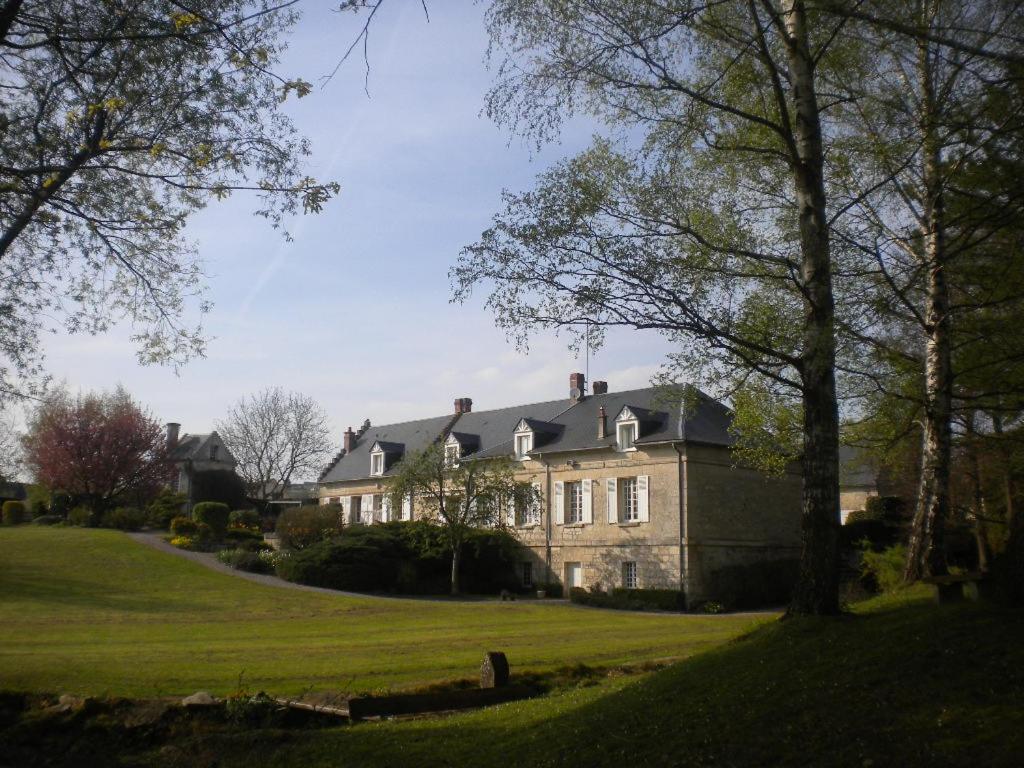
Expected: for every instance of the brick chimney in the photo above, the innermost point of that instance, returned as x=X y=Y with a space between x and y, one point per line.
x=349 y=440
x=463 y=405
x=172 y=434
x=602 y=421
x=577 y=387
x=600 y=387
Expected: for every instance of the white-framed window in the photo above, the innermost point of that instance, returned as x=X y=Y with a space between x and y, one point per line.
x=377 y=463
x=629 y=577
x=629 y=501
x=378 y=502
x=527 y=574
x=626 y=435
x=451 y=454
x=524 y=444
x=574 y=502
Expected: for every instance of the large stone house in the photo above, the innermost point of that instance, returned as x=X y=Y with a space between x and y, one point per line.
x=193 y=454
x=633 y=492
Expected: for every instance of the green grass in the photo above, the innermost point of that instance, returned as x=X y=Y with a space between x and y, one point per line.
x=92 y=612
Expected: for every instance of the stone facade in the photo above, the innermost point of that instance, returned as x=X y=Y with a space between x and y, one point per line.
x=700 y=512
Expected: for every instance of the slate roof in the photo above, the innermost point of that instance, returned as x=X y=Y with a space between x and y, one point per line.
x=565 y=426
x=411 y=435
x=193 y=447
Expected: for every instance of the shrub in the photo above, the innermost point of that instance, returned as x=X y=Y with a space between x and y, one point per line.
x=200 y=542
x=38 y=507
x=183 y=526
x=220 y=485
x=552 y=589
x=247 y=519
x=245 y=560
x=368 y=562
x=755 y=585
x=183 y=542
x=305 y=526
x=82 y=515
x=630 y=599
x=241 y=535
x=60 y=503
x=14 y=513
x=884 y=568
x=124 y=519
x=48 y=520
x=165 y=508
x=214 y=514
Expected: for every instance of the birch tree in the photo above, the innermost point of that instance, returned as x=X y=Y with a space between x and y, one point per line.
x=714 y=230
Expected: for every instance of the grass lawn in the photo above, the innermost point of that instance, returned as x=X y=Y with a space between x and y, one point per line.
x=92 y=612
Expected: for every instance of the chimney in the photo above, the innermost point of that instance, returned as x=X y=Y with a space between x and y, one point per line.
x=577 y=387
x=463 y=405
x=600 y=387
x=602 y=420
x=172 y=434
x=349 y=440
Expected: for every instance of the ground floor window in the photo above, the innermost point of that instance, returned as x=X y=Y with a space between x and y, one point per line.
x=630 y=506
x=527 y=574
x=357 y=508
x=629 y=579
x=574 y=502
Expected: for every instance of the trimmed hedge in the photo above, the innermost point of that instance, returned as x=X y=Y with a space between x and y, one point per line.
x=245 y=560
x=215 y=514
x=165 y=508
x=14 y=513
x=48 y=520
x=630 y=599
x=124 y=519
x=83 y=516
x=410 y=558
x=245 y=518
x=183 y=526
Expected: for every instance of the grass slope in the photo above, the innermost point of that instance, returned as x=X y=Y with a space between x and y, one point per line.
x=903 y=683
x=90 y=611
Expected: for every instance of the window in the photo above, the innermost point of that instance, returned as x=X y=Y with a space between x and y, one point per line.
x=213 y=452
x=378 y=502
x=629 y=579
x=527 y=574
x=357 y=505
x=574 y=502
x=627 y=436
x=523 y=445
x=629 y=506
x=377 y=463
x=451 y=454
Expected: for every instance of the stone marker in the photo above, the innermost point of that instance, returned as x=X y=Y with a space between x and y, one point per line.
x=199 y=699
x=494 y=670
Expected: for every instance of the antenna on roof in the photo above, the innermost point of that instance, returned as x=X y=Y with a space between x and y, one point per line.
x=587 y=368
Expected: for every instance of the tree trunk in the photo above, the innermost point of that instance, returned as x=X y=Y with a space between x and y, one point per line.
x=817 y=590
x=456 y=555
x=926 y=552
x=977 y=498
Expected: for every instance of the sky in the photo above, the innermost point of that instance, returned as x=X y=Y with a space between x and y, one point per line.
x=355 y=311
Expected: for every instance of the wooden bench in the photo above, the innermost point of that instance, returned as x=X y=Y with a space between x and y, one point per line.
x=955 y=587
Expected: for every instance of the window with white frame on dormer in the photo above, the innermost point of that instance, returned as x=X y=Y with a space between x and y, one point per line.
x=524 y=444
x=627 y=429
x=377 y=463
x=451 y=454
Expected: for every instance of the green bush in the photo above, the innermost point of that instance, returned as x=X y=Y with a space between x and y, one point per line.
x=630 y=599
x=552 y=589
x=60 y=503
x=245 y=560
x=215 y=514
x=248 y=519
x=183 y=526
x=164 y=508
x=14 y=513
x=755 y=585
x=305 y=526
x=48 y=520
x=220 y=485
x=240 y=535
x=124 y=519
x=83 y=516
x=884 y=568
x=38 y=507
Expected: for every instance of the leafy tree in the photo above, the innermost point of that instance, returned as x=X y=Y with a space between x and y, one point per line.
x=100 y=448
x=276 y=436
x=10 y=448
x=458 y=496
x=715 y=230
x=120 y=119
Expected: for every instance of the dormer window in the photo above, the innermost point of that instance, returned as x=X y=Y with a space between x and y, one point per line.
x=451 y=454
x=627 y=428
x=213 y=452
x=523 y=441
x=377 y=463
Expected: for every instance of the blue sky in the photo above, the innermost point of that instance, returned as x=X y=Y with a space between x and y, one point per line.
x=355 y=311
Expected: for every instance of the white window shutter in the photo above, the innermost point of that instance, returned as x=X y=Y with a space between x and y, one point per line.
x=612 y=492
x=642 y=492
x=366 y=508
x=346 y=508
x=535 y=503
x=588 y=501
x=510 y=511
x=559 y=502
x=407 y=507
x=386 y=508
